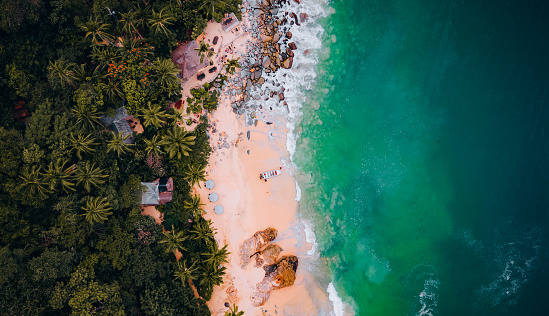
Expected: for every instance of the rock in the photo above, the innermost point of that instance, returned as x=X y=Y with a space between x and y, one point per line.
x=281 y=96
x=303 y=17
x=268 y=255
x=306 y=52
x=287 y=63
x=288 y=35
x=261 y=80
x=289 y=52
x=294 y=16
x=292 y=46
x=278 y=275
x=297 y=1
x=276 y=37
x=254 y=244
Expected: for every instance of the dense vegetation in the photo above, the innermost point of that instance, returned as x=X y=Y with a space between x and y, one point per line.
x=72 y=239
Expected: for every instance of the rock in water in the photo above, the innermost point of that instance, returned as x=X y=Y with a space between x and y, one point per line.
x=287 y=63
x=288 y=35
x=292 y=46
x=303 y=17
x=279 y=275
x=254 y=244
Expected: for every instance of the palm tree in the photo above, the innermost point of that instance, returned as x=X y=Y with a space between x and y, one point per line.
x=60 y=72
x=153 y=115
x=203 y=49
x=86 y=119
x=81 y=74
x=212 y=3
x=56 y=174
x=216 y=256
x=129 y=23
x=96 y=31
x=195 y=174
x=32 y=183
x=153 y=145
x=183 y=273
x=231 y=65
x=173 y=240
x=141 y=15
x=211 y=276
x=82 y=144
x=203 y=231
x=165 y=73
x=112 y=89
x=97 y=210
x=159 y=22
x=104 y=55
x=194 y=206
x=117 y=144
x=176 y=142
x=89 y=176
x=233 y=311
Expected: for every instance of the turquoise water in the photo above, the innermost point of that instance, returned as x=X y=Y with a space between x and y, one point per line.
x=424 y=156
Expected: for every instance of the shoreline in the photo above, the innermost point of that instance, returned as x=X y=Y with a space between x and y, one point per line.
x=250 y=204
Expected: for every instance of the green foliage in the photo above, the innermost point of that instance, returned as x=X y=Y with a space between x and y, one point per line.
x=116 y=247
x=195 y=174
x=96 y=210
x=135 y=96
x=51 y=265
x=117 y=143
x=199 y=27
x=173 y=240
x=130 y=192
x=89 y=176
x=176 y=142
x=233 y=311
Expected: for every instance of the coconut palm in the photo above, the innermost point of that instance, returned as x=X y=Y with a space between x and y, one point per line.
x=153 y=115
x=202 y=230
x=82 y=144
x=153 y=145
x=173 y=240
x=81 y=74
x=215 y=256
x=159 y=22
x=176 y=142
x=112 y=89
x=231 y=65
x=60 y=72
x=233 y=311
x=97 y=210
x=117 y=144
x=194 y=206
x=203 y=49
x=88 y=175
x=86 y=119
x=33 y=183
x=96 y=32
x=141 y=15
x=129 y=23
x=55 y=174
x=104 y=55
x=165 y=73
x=195 y=174
x=211 y=276
x=211 y=4
x=182 y=273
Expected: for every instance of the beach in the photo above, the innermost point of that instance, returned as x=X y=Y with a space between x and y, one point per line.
x=241 y=151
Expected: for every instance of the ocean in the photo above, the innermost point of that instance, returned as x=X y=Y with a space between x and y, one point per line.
x=422 y=153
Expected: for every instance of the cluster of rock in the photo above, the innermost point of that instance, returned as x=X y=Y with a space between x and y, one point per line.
x=279 y=272
x=271 y=49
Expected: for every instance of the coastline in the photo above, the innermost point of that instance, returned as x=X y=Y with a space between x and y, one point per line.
x=250 y=204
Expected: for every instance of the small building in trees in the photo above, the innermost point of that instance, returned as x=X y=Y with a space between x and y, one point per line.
x=159 y=192
x=120 y=123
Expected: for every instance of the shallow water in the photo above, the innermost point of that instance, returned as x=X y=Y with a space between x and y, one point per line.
x=423 y=156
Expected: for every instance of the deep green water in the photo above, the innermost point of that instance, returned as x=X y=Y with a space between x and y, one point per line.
x=425 y=139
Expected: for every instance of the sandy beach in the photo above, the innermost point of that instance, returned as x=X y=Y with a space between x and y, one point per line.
x=251 y=204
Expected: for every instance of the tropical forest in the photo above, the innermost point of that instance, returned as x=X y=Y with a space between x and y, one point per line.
x=73 y=240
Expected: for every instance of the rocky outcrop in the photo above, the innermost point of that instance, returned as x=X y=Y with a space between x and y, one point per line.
x=277 y=276
x=254 y=244
x=268 y=255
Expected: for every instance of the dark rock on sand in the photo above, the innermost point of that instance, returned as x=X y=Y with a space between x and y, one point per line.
x=254 y=244
x=278 y=275
x=292 y=46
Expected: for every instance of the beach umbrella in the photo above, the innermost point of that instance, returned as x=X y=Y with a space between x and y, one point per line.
x=213 y=197
x=218 y=209
x=210 y=184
